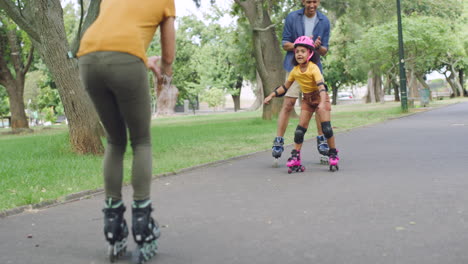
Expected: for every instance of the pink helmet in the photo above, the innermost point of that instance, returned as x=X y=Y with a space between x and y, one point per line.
x=305 y=42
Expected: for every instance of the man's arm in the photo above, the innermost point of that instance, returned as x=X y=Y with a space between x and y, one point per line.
x=288 y=40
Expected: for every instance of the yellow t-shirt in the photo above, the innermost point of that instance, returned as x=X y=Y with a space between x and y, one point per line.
x=126 y=26
x=308 y=79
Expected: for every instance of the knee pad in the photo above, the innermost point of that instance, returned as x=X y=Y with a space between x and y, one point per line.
x=327 y=129
x=299 y=134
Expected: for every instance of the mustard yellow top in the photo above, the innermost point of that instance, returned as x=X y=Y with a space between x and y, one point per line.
x=126 y=26
x=308 y=79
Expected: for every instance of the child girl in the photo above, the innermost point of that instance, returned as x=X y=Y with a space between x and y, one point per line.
x=315 y=100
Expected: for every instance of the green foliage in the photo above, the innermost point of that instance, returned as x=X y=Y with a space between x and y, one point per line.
x=49 y=114
x=23 y=42
x=4 y=103
x=71 y=18
x=214 y=97
x=211 y=56
x=32 y=89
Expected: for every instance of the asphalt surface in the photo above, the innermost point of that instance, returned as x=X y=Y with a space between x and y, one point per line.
x=400 y=196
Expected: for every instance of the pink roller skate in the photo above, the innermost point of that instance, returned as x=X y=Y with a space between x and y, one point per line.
x=333 y=159
x=294 y=162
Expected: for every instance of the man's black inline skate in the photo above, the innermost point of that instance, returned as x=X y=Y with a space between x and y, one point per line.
x=115 y=228
x=277 y=149
x=322 y=147
x=145 y=231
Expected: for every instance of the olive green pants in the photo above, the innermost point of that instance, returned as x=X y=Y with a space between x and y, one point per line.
x=118 y=86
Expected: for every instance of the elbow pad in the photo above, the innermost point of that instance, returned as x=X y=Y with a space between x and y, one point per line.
x=276 y=91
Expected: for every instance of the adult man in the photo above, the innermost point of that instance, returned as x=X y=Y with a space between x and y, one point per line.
x=304 y=22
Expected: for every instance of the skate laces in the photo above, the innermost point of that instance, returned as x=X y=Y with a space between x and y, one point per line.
x=278 y=140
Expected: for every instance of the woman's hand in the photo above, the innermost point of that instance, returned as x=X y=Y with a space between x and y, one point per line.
x=154 y=66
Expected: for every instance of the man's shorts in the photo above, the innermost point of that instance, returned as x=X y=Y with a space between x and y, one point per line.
x=293 y=91
x=310 y=102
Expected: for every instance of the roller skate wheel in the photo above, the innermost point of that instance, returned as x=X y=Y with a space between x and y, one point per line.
x=289 y=170
x=275 y=163
x=302 y=168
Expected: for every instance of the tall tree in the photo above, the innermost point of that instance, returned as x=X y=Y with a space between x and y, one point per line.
x=43 y=22
x=16 y=53
x=267 y=50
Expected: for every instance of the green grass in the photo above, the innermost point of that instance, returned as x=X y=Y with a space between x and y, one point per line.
x=40 y=166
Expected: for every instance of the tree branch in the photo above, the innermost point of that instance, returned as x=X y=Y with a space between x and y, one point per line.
x=264 y=29
x=14 y=13
x=29 y=61
x=91 y=15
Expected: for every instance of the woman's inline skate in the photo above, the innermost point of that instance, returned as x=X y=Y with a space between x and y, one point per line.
x=333 y=159
x=145 y=231
x=277 y=149
x=115 y=228
x=294 y=162
x=322 y=147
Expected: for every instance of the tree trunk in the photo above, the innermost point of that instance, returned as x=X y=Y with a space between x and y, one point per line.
x=412 y=85
x=258 y=91
x=166 y=100
x=455 y=81
x=461 y=77
x=335 y=95
x=379 y=91
x=84 y=126
x=267 y=52
x=370 y=97
x=14 y=83
x=396 y=90
x=453 y=84
x=19 y=121
x=421 y=80
x=238 y=89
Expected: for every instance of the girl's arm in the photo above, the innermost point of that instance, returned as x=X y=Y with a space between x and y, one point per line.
x=323 y=89
x=278 y=92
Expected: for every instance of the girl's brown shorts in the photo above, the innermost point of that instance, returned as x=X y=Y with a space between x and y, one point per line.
x=310 y=102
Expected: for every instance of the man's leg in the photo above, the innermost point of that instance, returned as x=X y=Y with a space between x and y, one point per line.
x=283 y=119
x=322 y=145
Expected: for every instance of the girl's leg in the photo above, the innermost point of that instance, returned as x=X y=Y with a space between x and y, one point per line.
x=325 y=116
x=304 y=120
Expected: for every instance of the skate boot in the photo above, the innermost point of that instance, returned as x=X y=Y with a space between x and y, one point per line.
x=322 y=147
x=277 y=150
x=145 y=231
x=294 y=162
x=115 y=228
x=333 y=159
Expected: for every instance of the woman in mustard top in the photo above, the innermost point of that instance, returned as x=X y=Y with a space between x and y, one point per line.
x=315 y=100
x=113 y=67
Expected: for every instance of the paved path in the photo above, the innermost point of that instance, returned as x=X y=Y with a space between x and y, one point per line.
x=401 y=196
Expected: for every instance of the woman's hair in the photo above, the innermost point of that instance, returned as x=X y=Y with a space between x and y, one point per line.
x=315 y=59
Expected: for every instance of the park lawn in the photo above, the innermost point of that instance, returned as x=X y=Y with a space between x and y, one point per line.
x=40 y=166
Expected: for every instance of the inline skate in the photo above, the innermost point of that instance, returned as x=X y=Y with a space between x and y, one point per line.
x=294 y=162
x=145 y=231
x=333 y=159
x=115 y=228
x=322 y=147
x=277 y=149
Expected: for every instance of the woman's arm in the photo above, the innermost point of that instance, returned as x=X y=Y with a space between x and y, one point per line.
x=167 y=45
